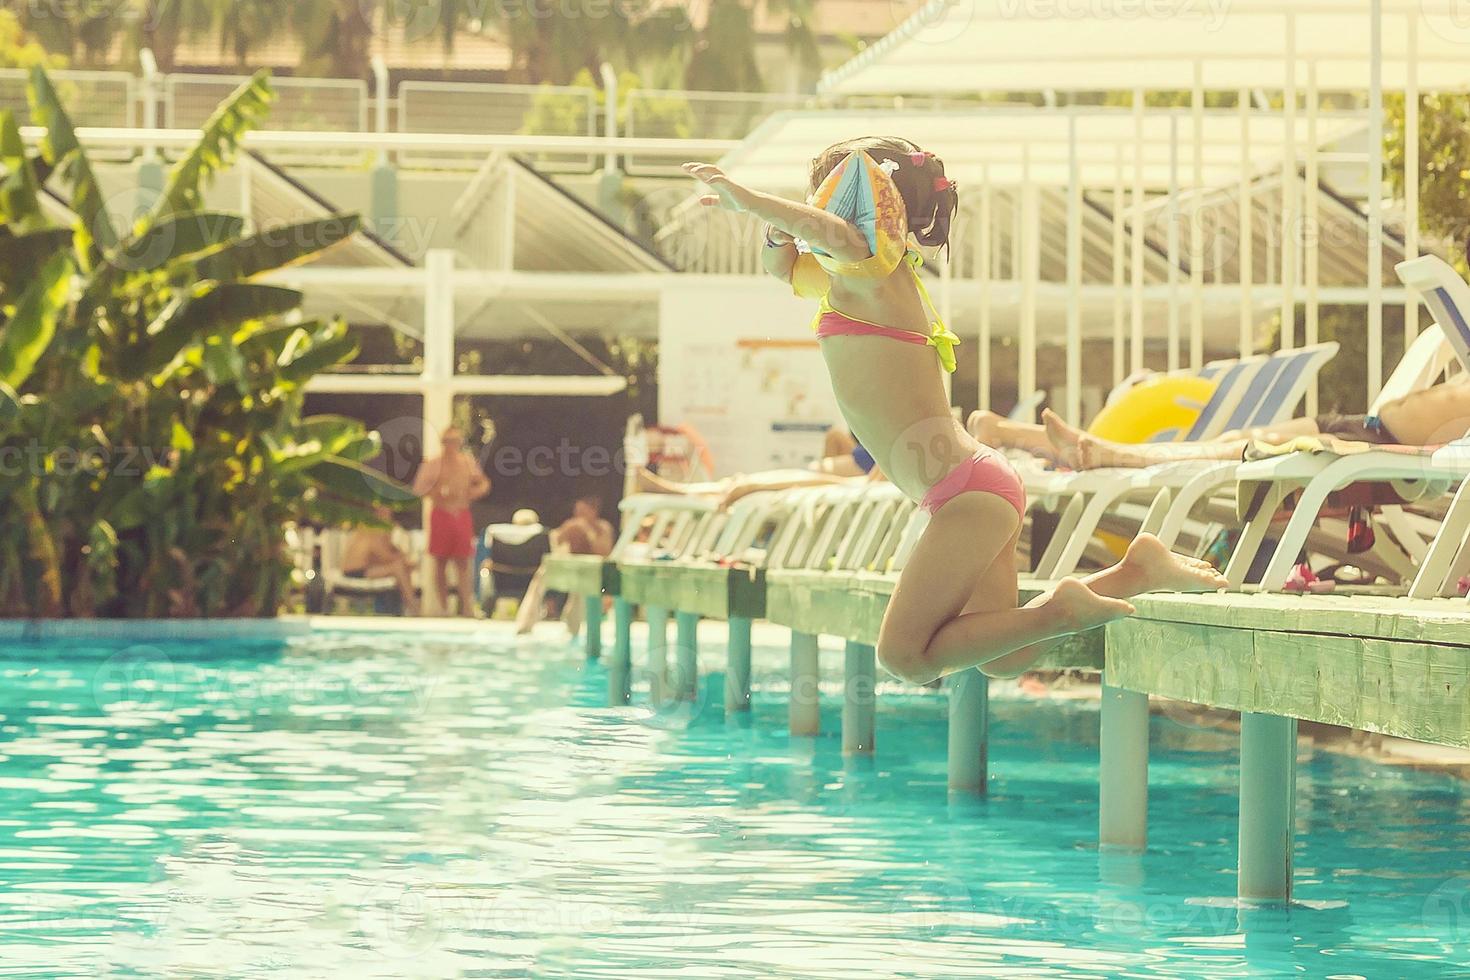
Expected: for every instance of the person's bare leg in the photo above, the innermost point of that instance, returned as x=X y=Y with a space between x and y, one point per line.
x=650 y=482
x=837 y=442
x=999 y=432
x=1435 y=415
x=1148 y=566
x=926 y=632
x=441 y=586
x=573 y=613
x=465 y=570
x=533 y=603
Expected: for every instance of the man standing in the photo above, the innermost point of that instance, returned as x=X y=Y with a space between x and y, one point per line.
x=452 y=481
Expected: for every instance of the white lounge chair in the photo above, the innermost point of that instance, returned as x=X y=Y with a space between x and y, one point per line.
x=1317 y=475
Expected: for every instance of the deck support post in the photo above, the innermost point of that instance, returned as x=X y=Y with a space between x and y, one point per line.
x=737 y=667
x=969 y=731
x=594 y=626
x=859 y=699
x=805 y=716
x=1267 y=799
x=658 y=651
x=1123 y=770
x=686 y=663
x=620 y=671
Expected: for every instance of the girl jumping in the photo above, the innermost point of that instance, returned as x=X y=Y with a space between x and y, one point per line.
x=853 y=246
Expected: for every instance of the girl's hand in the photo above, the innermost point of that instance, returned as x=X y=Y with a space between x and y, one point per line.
x=727 y=194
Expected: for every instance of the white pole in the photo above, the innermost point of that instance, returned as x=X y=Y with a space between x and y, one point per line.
x=1245 y=206
x=1135 y=343
x=1074 y=276
x=983 y=261
x=1119 y=369
x=1031 y=271
x=1411 y=170
x=1196 y=229
x=1311 y=257
x=1288 y=193
x=1375 y=202
x=1173 y=242
x=437 y=378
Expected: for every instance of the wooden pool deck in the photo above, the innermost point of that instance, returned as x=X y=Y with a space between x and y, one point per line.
x=1391 y=665
x=1382 y=664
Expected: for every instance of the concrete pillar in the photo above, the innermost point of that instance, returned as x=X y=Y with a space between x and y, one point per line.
x=1267 y=800
x=969 y=731
x=383 y=212
x=737 y=669
x=805 y=711
x=1123 y=770
x=658 y=651
x=594 y=626
x=620 y=671
x=686 y=663
x=859 y=700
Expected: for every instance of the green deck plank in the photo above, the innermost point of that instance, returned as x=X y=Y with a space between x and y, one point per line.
x=1396 y=666
x=581 y=574
x=709 y=590
x=850 y=605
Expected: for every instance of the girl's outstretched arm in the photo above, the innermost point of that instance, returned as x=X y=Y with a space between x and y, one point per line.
x=838 y=238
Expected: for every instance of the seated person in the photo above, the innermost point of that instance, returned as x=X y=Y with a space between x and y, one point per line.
x=516 y=550
x=1430 y=417
x=586 y=532
x=371 y=553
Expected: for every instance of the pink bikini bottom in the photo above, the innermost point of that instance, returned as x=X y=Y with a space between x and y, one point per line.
x=985 y=472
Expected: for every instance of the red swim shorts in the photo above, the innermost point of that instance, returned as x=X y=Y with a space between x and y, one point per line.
x=451 y=533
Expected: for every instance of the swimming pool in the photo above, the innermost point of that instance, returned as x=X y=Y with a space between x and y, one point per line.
x=403 y=804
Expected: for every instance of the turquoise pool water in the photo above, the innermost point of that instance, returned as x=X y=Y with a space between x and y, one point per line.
x=408 y=805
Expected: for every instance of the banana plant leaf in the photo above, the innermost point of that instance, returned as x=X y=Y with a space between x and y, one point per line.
x=20 y=188
x=219 y=139
x=328 y=353
x=182 y=236
x=23 y=256
x=60 y=149
x=354 y=481
x=28 y=333
x=216 y=311
x=9 y=406
x=277 y=248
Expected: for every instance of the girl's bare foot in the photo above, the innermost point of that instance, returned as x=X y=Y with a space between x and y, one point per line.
x=1064 y=437
x=1077 y=608
x=1151 y=567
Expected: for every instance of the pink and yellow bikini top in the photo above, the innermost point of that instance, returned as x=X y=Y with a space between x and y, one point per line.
x=861 y=191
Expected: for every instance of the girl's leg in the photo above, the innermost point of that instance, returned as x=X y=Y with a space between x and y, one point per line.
x=940 y=618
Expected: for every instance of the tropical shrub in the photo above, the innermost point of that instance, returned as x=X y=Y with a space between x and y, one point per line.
x=152 y=444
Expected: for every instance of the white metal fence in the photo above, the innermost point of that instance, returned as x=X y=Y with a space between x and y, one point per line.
x=93 y=98
x=494 y=109
x=664 y=114
x=302 y=104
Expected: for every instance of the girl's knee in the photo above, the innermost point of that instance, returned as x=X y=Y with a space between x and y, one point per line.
x=906 y=661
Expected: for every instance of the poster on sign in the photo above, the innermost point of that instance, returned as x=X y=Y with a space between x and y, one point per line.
x=740 y=363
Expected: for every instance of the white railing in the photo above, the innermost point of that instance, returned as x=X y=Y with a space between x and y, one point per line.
x=495 y=109
x=301 y=105
x=673 y=114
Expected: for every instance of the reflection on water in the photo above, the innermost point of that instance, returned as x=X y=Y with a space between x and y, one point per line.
x=408 y=806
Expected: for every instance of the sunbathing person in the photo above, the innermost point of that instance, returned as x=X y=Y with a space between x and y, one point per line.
x=371 y=553
x=1431 y=417
x=844 y=460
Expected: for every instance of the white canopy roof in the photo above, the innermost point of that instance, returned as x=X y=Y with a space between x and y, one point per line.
x=968 y=46
x=999 y=145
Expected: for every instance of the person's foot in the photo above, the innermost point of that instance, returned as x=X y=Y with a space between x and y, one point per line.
x=1094 y=454
x=1077 y=608
x=1151 y=567
x=1064 y=437
x=647 y=483
x=984 y=425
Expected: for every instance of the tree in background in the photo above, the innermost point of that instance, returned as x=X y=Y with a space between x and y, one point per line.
x=151 y=388
x=18 y=49
x=1444 y=158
